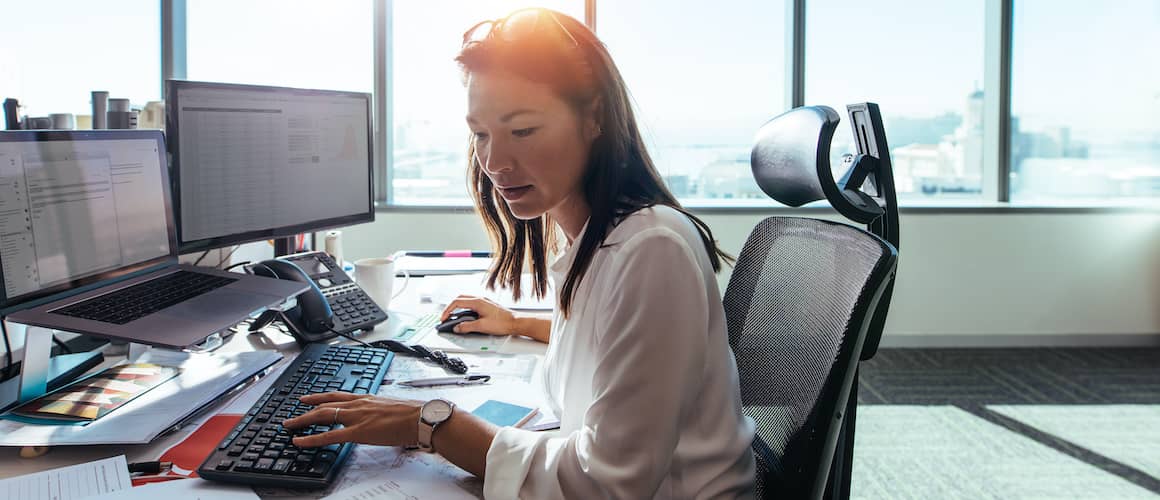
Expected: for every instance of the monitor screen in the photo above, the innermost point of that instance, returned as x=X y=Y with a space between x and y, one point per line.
x=78 y=207
x=254 y=162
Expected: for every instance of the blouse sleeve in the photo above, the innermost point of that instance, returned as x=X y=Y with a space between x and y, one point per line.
x=652 y=342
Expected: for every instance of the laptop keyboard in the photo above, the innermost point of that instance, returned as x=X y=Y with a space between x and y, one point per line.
x=134 y=302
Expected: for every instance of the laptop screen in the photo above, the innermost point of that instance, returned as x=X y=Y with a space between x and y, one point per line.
x=79 y=207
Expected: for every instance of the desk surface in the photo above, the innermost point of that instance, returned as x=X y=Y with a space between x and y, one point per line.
x=403 y=311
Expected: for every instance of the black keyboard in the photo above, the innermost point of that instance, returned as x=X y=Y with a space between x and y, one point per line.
x=134 y=302
x=259 y=452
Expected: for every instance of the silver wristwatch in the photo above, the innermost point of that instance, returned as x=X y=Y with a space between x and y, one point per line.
x=432 y=414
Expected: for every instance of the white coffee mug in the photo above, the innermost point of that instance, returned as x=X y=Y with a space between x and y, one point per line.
x=376 y=276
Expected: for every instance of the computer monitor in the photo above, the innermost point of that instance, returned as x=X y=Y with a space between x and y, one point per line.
x=254 y=162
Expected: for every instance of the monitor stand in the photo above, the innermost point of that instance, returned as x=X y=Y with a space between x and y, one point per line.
x=284 y=246
x=41 y=372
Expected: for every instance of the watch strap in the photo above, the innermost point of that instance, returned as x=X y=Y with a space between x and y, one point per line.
x=426 y=431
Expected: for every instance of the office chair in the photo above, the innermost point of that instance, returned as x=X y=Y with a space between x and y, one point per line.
x=808 y=298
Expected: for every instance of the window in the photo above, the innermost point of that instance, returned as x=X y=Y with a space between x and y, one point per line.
x=1084 y=124
x=289 y=43
x=700 y=98
x=429 y=134
x=1085 y=102
x=922 y=62
x=53 y=56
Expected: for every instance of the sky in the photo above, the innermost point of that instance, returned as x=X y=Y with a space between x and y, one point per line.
x=697 y=74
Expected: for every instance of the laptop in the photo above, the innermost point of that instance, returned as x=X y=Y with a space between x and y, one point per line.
x=88 y=243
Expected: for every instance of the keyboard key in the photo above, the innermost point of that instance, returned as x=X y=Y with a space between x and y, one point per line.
x=281 y=465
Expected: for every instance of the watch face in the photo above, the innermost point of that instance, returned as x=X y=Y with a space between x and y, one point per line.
x=436 y=410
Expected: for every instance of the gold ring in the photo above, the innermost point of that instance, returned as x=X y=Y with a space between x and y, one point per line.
x=336 y=410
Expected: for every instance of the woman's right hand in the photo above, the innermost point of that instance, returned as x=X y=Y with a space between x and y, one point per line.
x=494 y=319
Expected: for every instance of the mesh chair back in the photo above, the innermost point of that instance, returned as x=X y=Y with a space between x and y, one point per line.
x=798 y=305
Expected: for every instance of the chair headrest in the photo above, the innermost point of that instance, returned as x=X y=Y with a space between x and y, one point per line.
x=789 y=151
x=791 y=163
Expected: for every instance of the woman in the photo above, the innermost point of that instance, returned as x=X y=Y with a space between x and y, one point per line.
x=638 y=365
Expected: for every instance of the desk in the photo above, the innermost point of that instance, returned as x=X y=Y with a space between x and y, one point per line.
x=403 y=310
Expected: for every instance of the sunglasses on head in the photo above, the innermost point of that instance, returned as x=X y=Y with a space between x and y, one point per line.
x=518 y=24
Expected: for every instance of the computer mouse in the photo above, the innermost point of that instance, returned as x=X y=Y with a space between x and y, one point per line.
x=456 y=318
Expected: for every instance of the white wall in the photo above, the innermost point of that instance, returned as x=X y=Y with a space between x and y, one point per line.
x=971 y=279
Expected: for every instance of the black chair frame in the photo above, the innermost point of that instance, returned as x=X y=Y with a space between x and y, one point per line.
x=866 y=195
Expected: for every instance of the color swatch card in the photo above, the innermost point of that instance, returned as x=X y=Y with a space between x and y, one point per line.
x=89 y=399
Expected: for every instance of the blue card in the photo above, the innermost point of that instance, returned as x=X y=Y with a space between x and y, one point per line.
x=504 y=414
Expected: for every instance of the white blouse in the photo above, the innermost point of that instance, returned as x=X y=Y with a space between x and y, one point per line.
x=641 y=376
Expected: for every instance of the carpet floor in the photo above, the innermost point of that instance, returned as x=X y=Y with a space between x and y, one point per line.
x=1008 y=423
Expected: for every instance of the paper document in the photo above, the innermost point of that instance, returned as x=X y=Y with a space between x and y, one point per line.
x=514 y=379
x=442 y=289
x=390 y=473
x=184 y=489
x=203 y=380
x=411 y=479
x=110 y=475
x=463 y=343
x=501 y=367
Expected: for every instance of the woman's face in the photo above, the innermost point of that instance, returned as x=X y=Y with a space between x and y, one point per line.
x=531 y=144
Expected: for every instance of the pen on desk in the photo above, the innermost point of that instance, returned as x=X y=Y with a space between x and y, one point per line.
x=462 y=380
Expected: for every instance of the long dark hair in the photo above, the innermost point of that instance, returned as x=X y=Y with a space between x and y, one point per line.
x=620 y=177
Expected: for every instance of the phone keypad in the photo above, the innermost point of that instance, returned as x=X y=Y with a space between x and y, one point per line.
x=354 y=310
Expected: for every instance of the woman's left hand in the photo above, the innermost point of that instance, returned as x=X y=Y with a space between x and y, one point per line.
x=365 y=419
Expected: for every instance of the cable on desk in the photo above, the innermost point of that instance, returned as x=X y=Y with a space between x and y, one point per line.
x=351 y=337
x=242 y=263
x=455 y=365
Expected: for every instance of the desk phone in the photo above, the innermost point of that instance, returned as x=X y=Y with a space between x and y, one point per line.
x=333 y=305
x=353 y=309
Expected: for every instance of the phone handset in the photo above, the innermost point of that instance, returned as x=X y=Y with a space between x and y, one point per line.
x=311 y=319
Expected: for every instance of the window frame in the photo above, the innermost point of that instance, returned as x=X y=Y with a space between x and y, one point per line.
x=998 y=27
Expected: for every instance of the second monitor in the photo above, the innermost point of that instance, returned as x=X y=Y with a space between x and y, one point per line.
x=256 y=162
